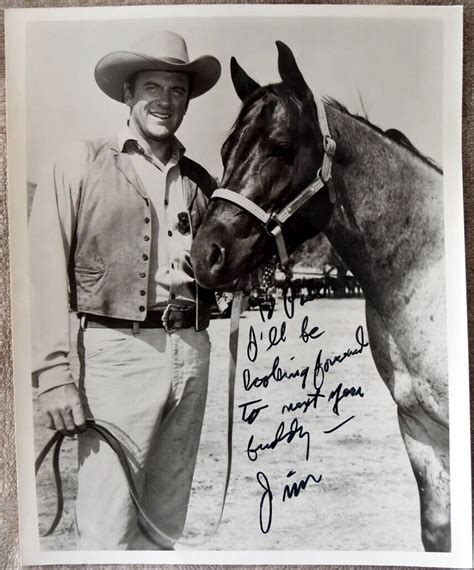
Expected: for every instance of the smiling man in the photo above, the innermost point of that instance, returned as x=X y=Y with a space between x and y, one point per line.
x=111 y=230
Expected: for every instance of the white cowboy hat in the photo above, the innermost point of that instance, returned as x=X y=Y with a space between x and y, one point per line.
x=162 y=51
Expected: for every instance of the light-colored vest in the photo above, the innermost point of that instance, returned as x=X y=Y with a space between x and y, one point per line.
x=111 y=247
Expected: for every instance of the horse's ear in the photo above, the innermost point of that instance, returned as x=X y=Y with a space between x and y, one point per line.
x=244 y=85
x=289 y=71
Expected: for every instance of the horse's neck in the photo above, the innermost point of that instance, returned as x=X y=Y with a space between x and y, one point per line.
x=388 y=213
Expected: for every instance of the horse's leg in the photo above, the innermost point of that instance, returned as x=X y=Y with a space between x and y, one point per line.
x=427 y=443
x=424 y=435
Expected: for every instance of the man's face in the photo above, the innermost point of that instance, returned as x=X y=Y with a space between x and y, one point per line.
x=158 y=101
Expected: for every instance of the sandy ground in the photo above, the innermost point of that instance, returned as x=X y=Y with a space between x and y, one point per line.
x=366 y=497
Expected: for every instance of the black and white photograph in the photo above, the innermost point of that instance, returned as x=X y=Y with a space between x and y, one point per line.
x=239 y=298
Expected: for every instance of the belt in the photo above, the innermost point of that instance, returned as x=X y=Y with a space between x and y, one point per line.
x=169 y=318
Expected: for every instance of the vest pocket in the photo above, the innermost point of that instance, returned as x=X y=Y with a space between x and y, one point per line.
x=89 y=280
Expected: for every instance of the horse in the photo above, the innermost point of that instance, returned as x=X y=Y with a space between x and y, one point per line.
x=381 y=209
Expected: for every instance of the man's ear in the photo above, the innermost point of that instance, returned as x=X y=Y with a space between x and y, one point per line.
x=127 y=94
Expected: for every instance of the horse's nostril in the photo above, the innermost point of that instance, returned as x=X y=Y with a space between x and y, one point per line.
x=216 y=256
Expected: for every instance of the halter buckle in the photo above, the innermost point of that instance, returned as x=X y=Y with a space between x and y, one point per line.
x=271 y=224
x=324 y=174
x=329 y=145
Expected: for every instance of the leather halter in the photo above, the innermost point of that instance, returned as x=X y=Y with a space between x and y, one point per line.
x=273 y=223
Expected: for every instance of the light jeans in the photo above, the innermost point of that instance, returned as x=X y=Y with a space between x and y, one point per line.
x=151 y=390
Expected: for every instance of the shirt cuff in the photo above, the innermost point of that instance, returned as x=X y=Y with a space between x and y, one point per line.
x=54 y=377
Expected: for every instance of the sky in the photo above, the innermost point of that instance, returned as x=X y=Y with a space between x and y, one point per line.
x=395 y=64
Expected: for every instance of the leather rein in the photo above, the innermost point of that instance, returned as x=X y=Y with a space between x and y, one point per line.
x=116 y=446
x=273 y=222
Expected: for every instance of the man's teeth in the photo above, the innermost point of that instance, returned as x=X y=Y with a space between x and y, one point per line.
x=160 y=115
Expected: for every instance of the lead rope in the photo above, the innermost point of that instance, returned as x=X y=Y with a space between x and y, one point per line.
x=58 y=438
x=233 y=353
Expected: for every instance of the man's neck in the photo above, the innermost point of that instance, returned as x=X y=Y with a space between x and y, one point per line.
x=160 y=149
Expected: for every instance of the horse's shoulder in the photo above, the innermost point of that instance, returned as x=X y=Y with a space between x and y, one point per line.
x=198 y=174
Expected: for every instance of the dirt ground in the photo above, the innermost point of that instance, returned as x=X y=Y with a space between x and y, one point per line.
x=360 y=492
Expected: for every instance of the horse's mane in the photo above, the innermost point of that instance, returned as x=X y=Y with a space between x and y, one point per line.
x=285 y=92
x=392 y=134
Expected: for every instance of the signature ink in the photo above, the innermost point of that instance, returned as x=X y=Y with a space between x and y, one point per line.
x=265 y=503
x=340 y=393
x=295 y=430
x=321 y=367
x=305 y=405
x=277 y=374
x=289 y=492
x=288 y=303
x=276 y=335
x=270 y=312
x=250 y=417
x=252 y=345
x=312 y=334
x=339 y=425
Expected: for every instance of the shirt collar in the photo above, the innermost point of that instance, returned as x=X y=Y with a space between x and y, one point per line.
x=126 y=137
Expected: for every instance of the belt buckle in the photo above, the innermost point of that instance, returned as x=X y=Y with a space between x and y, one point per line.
x=165 y=317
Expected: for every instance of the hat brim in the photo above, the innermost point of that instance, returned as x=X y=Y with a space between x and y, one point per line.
x=114 y=69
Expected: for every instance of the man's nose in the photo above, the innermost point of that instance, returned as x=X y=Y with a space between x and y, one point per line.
x=164 y=98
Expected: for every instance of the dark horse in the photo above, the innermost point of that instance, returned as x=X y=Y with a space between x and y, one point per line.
x=383 y=216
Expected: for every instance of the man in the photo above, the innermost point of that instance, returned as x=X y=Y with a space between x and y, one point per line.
x=111 y=230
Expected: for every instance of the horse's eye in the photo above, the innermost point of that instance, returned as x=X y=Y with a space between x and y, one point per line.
x=284 y=152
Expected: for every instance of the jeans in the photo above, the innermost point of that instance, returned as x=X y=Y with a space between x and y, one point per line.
x=150 y=389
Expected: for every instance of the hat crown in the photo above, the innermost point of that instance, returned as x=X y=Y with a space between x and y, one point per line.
x=163 y=45
x=160 y=51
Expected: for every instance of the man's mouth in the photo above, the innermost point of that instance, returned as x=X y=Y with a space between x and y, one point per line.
x=160 y=115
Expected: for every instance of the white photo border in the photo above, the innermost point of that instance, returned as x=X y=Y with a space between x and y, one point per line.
x=461 y=555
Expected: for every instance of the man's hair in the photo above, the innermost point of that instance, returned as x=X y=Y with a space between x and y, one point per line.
x=132 y=80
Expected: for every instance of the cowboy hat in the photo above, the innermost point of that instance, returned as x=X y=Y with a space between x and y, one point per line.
x=162 y=51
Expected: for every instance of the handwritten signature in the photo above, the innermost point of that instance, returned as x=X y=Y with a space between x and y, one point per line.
x=290 y=491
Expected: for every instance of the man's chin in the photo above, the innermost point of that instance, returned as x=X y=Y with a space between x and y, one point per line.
x=160 y=135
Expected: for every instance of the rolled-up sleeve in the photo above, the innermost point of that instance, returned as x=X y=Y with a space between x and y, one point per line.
x=51 y=229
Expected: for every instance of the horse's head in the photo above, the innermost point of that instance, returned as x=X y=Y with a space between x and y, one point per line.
x=273 y=151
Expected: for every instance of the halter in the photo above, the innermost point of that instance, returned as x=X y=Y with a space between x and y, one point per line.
x=272 y=223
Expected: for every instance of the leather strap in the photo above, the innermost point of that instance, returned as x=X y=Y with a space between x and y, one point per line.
x=172 y=317
x=272 y=222
x=243 y=202
x=233 y=353
x=95 y=425
x=55 y=441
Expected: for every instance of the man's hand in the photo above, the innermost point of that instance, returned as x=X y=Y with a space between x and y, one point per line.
x=63 y=409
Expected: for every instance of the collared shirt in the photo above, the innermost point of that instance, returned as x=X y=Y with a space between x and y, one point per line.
x=171 y=277
x=52 y=222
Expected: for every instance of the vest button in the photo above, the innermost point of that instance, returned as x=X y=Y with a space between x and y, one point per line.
x=166 y=202
x=173 y=296
x=142 y=293
x=141 y=308
x=146 y=238
x=145 y=257
x=170 y=233
x=147 y=220
x=142 y=274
